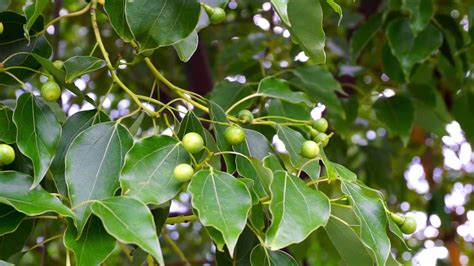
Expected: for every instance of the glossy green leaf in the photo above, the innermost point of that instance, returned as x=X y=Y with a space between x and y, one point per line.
x=281 y=7
x=10 y=219
x=227 y=93
x=331 y=170
x=306 y=20
x=5 y=4
x=337 y=8
x=421 y=12
x=32 y=13
x=320 y=85
x=8 y=128
x=73 y=126
x=186 y=47
x=391 y=66
x=129 y=221
x=153 y=28
x=344 y=173
x=347 y=242
x=93 y=163
x=373 y=221
x=15 y=190
x=218 y=114
x=247 y=241
x=409 y=49
x=222 y=202
x=364 y=34
x=93 y=247
x=463 y=107
x=116 y=13
x=280 y=89
x=18 y=49
x=79 y=65
x=297 y=210
x=38 y=133
x=4 y=263
x=13 y=243
x=148 y=171
x=396 y=113
x=262 y=257
x=288 y=110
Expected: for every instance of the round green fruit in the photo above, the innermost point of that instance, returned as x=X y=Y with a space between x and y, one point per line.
x=313 y=132
x=408 y=226
x=193 y=142
x=183 y=172
x=217 y=16
x=234 y=135
x=58 y=64
x=1 y=27
x=7 y=154
x=50 y=91
x=322 y=138
x=398 y=219
x=309 y=149
x=245 y=116
x=321 y=125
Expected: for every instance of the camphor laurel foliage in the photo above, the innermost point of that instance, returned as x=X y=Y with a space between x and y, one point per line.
x=105 y=182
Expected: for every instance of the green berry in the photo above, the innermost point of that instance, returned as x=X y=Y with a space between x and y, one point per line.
x=183 y=172
x=193 y=142
x=313 y=132
x=245 y=116
x=408 y=226
x=58 y=64
x=7 y=154
x=1 y=27
x=217 y=15
x=398 y=219
x=50 y=91
x=321 y=125
x=309 y=149
x=234 y=135
x=322 y=138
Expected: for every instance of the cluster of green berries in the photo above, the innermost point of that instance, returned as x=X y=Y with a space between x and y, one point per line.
x=7 y=154
x=407 y=224
x=310 y=148
x=51 y=91
x=194 y=143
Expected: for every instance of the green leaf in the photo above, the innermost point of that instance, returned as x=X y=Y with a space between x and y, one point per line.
x=19 y=50
x=117 y=17
x=38 y=133
x=186 y=47
x=463 y=108
x=32 y=12
x=5 y=4
x=344 y=173
x=217 y=114
x=13 y=243
x=73 y=126
x=246 y=242
x=279 y=89
x=4 y=263
x=421 y=12
x=153 y=28
x=263 y=257
x=369 y=208
x=320 y=85
x=8 y=128
x=148 y=171
x=331 y=170
x=10 y=219
x=364 y=34
x=396 y=113
x=281 y=7
x=93 y=247
x=222 y=202
x=227 y=93
x=77 y=66
x=337 y=8
x=296 y=209
x=347 y=242
x=129 y=221
x=306 y=21
x=391 y=66
x=15 y=190
x=409 y=49
x=93 y=163
x=288 y=110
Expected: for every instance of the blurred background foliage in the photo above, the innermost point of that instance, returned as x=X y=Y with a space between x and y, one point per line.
x=408 y=127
